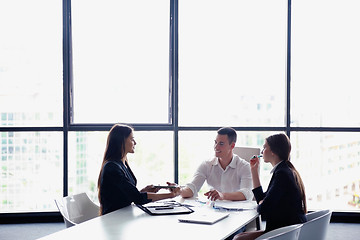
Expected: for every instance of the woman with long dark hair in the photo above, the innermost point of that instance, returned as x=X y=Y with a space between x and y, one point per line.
x=284 y=202
x=117 y=183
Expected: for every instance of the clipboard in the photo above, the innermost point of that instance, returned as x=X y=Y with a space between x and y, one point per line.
x=165 y=208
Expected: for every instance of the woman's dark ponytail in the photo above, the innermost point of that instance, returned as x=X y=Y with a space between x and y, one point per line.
x=114 y=151
x=281 y=146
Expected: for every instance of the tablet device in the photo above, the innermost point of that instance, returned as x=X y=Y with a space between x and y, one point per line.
x=210 y=217
x=165 y=186
x=165 y=208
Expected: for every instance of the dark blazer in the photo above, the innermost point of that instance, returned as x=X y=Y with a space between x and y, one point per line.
x=282 y=203
x=118 y=187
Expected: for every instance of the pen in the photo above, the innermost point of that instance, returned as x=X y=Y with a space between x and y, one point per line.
x=167 y=186
x=164 y=208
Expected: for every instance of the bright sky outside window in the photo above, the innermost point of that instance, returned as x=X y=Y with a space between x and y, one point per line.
x=31 y=63
x=325 y=63
x=232 y=63
x=121 y=68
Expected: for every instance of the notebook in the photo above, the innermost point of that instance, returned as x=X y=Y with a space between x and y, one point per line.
x=208 y=217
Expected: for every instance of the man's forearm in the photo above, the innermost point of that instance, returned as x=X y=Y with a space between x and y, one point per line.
x=234 y=196
x=186 y=192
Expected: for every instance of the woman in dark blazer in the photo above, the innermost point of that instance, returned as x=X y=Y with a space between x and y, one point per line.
x=117 y=183
x=284 y=202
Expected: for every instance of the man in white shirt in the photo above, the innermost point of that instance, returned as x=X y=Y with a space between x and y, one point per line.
x=227 y=174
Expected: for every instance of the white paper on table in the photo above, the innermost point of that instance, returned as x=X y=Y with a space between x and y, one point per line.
x=236 y=205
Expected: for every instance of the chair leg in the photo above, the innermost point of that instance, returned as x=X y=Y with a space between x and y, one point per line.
x=258 y=223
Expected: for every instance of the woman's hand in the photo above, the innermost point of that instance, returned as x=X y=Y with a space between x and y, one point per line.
x=150 y=188
x=254 y=164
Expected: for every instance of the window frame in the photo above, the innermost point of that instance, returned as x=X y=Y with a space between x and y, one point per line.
x=173 y=124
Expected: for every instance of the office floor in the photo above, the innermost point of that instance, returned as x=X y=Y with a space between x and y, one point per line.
x=32 y=231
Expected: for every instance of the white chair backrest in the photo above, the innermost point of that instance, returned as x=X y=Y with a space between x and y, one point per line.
x=64 y=213
x=246 y=153
x=77 y=208
x=316 y=226
x=291 y=232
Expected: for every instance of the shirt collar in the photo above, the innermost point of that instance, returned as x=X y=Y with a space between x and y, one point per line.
x=232 y=164
x=272 y=170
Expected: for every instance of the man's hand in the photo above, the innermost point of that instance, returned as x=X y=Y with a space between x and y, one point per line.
x=214 y=195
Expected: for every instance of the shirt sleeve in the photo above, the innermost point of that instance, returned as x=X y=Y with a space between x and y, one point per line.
x=246 y=182
x=258 y=194
x=198 y=179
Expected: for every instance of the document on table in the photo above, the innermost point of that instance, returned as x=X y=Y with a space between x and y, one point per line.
x=220 y=204
x=235 y=205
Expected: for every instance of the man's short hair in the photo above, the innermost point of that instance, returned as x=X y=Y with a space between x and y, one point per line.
x=230 y=132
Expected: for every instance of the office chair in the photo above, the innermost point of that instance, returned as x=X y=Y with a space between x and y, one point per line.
x=76 y=209
x=316 y=226
x=246 y=153
x=291 y=232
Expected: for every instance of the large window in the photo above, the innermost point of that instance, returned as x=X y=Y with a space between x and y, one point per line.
x=232 y=63
x=177 y=71
x=325 y=60
x=31 y=168
x=31 y=161
x=121 y=61
x=329 y=164
x=31 y=63
x=324 y=94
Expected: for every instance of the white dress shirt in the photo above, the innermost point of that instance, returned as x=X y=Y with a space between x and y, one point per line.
x=235 y=178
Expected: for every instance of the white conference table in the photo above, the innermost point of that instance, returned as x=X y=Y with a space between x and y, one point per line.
x=133 y=223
